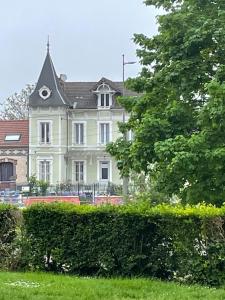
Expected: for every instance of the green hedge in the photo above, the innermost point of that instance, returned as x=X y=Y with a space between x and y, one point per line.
x=186 y=244
x=8 y=224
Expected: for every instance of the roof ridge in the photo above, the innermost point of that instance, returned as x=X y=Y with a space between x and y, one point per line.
x=15 y=120
x=92 y=81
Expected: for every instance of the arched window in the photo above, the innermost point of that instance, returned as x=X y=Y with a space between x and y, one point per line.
x=105 y=94
x=6 y=171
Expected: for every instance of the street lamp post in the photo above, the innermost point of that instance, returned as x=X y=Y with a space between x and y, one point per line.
x=126 y=63
x=125 y=178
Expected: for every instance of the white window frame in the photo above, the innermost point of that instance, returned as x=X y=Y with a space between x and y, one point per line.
x=84 y=171
x=99 y=132
x=130 y=135
x=104 y=89
x=99 y=170
x=47 y=159
x=39 y=132
x=12 y=137
x=74 y=133
x=104 y=96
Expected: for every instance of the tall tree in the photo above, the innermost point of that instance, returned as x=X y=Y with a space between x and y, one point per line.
x=186 y=54
x=16 y=106
x=194 y=166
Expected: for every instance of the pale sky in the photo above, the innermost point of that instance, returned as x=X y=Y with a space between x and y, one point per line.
x=87 y=39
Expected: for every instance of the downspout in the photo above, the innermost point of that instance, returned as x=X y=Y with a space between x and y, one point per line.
x=28 y=153
x=67 y=143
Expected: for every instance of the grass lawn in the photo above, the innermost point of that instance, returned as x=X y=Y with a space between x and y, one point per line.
x=42 y=286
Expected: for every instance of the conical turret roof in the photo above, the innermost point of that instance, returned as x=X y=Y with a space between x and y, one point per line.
x=48 y=91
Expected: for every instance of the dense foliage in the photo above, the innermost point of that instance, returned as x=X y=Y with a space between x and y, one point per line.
x=185 y=244
x=8 y=223
x=178 y=120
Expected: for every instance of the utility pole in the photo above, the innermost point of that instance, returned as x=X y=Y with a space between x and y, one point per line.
x=125 y=178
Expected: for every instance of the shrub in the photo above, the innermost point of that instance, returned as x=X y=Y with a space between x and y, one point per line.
x=9 y=217
x=186 y=244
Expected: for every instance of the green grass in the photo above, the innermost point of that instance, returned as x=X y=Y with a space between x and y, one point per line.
x=42 y=286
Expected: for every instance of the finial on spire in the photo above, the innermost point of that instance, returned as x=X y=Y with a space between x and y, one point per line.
x=48 y=44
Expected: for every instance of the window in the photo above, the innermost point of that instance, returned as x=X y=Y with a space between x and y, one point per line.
x=45 y=132
x=79 y=171
x=6 y=171
x=105 y=96
x=130 y=135
x=44 y=92
x=12 y=137
x=104 y=133
x=104 y=170
x=44 y=170
x=104 y=100
x=79 y=133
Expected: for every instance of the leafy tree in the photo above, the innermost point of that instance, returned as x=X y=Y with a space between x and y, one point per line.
x=38 y=186
x=186 y=54
x=16 y=106
x=33 y=184
x=43 y=185
x=194 y=167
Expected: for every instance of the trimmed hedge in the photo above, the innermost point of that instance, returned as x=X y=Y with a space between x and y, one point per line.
x=186 y=244
x=8 y=224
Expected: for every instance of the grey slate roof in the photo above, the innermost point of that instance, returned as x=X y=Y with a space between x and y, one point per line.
x=66 y=93
x=82 y=92
x=48 y=78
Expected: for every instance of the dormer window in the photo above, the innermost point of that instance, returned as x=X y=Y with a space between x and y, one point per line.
x=104 y=94
x=105 y=100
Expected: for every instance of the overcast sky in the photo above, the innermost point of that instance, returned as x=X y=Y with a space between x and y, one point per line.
x=87 y=39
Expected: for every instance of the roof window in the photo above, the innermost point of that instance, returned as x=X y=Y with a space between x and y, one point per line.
x=12 y=137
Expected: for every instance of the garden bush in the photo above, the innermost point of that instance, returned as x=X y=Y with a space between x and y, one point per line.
x=185 y=244
x=9 y=217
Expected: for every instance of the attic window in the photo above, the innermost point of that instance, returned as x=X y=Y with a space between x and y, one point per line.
x=105 y=100
x=12 y=137
x=44 y=92
x=104 y=93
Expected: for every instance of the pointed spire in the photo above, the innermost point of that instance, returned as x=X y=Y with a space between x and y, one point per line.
x=48 y=45
x=48 y=81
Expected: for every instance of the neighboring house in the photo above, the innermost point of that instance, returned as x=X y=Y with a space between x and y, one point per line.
x=14 y=144
x=70 y=124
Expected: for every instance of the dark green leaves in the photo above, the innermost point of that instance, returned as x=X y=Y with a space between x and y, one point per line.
x=178 y=120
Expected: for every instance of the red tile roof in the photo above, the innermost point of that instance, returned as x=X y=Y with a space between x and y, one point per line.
x=11 y=127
